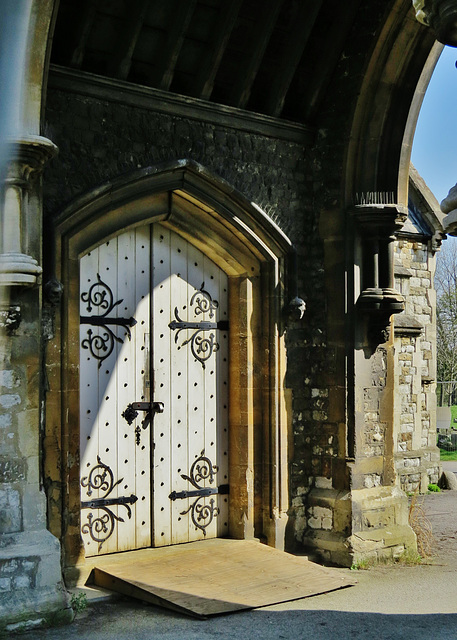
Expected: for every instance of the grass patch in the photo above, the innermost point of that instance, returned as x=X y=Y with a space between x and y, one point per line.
x=448 y=455
x=434 y=488
x=362 y=565
x=446 y=447
x=453 y=416
x=409 y=558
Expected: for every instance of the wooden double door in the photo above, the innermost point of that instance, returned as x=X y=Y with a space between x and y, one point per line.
x=154 y=393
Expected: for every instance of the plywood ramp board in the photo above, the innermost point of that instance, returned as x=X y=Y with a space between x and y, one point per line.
x=217 y=576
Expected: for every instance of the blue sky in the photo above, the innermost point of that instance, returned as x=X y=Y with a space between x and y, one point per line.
x=435 y=143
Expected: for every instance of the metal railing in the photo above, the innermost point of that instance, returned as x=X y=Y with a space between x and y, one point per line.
x=446 y=395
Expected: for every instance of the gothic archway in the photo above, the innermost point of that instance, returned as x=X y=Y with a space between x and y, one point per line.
x=205 y=212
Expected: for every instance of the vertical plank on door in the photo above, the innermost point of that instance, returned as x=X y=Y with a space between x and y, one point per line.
x=102 y=373
x=179 y=375
x=89 y=384
x=88 y=409
x=126 y=391
x=221 y=408
x=108 y=383
x=216 y=380
x=198 y=374
x=192 y=422
x=142 y=369
x=161 y=349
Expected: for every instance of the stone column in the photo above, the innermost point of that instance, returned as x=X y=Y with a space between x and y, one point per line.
x=379 y=518
x=27 y=159
x=360 y=514
x=31 y=589
x=378 y=299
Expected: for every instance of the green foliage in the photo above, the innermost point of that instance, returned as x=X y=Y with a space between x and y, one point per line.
x=78 y=602
x=434 y=488
x=361 y=565
x=409 y=557
x=448 y=455
x=446 y=322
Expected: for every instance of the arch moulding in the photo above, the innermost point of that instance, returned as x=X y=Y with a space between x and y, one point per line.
x=253 y=252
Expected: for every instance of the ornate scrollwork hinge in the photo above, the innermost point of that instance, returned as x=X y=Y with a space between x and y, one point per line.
x=201 y=347
x=101 y=296
x=201 y=514
x=101 y=527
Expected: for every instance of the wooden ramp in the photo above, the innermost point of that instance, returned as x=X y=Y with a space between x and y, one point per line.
x=215 y=576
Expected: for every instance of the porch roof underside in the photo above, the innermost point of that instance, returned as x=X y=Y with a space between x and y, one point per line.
x=273 y=57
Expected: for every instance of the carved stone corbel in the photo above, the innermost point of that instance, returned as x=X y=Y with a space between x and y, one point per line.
x=295 y=309
x=449 y=207
x=27 y=157
x=378 y=299
x=440 y=16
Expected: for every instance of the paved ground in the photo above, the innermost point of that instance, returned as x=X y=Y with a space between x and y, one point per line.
x=398 y=602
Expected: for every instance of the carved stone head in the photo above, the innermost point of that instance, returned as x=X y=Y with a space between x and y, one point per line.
x=53 y=290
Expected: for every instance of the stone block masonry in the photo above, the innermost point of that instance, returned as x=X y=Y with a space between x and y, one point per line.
x=417 y=460
x=299 y=187
x=99 y=140
x=31 y=589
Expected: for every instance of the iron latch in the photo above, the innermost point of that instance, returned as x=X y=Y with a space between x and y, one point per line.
x=99 y=503
x=223 y=325
x=150 y=409
x=193 y=493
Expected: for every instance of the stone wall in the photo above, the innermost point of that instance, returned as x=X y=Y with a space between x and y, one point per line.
x=13 y=466
x=357 y=116
x=101 y=139
x=31 y=590
x=415 y=452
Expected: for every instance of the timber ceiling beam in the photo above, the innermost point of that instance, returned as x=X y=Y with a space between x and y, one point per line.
x=88 y=12
x=205 y=80
x=134 y=19
x=330 y=54
x=182 y=15
x=293 y=52
x=264 y=28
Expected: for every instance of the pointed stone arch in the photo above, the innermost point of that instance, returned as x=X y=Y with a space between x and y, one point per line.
x=253 y=252
x=375 y=198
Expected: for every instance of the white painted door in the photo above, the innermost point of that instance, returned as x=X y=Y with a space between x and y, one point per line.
x=135 y=292
x=114 y=371
x=191 y=379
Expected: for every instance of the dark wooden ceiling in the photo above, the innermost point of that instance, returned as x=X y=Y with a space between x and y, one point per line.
x=274 y=57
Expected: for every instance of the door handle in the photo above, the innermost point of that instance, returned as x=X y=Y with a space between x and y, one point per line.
x=157 y=407
x=150 y=408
